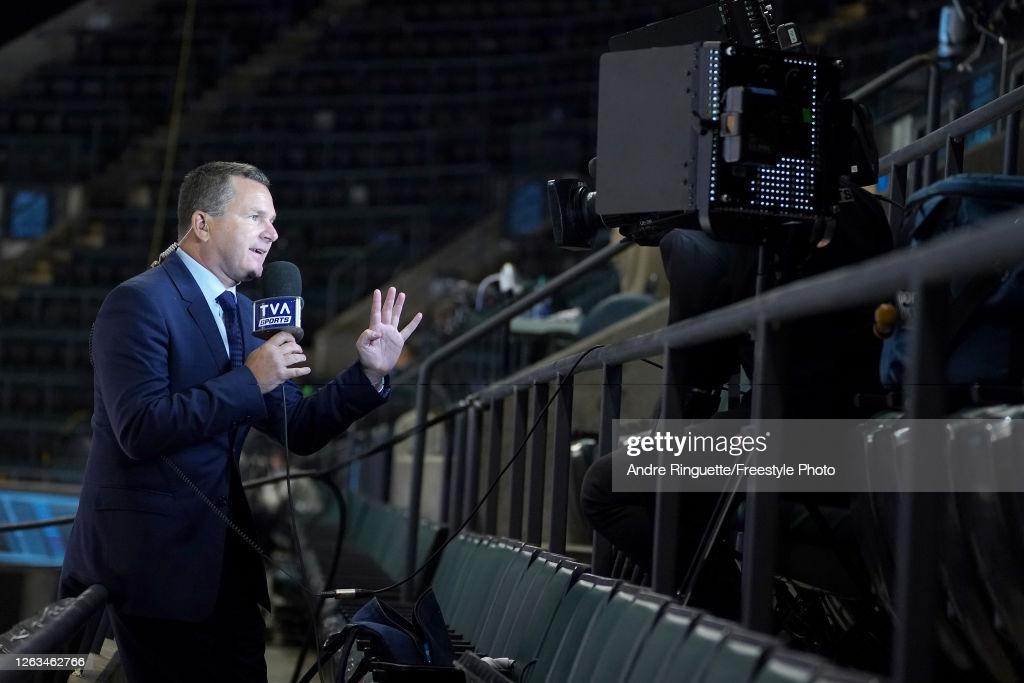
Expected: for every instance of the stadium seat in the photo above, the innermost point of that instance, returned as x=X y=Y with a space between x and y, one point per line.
x=557 y=651
x=789 y=667
x=738 y=658
x=615 y=638
x=690 y=661
x=666 y=637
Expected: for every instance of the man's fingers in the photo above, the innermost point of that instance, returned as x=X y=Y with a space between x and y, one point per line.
x=396 y=313
x=297 y=358
x=386 y=316
x=375 y=309
x=298 y=372
x=411 y=327
x=291 y=347
x=281 y=338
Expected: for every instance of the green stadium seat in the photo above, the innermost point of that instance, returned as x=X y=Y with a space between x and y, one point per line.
x=690 y=661
x=738 y=658
x=505 y=592
x=665 y=638
x=522 y=595
x=523 y=635
x=616 y=637
x=847 y=676
x=584 y=601
x=448 y=570
x=789 y=667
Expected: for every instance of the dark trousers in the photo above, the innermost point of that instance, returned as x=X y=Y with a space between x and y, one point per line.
x=704 y=275
x=227 y=646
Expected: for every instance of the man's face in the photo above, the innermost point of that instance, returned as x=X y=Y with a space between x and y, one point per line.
x=240 y=238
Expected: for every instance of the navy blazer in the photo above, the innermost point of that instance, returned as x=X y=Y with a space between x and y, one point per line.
x=164 y=387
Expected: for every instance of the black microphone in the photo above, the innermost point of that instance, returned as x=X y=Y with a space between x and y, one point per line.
x=280 y=309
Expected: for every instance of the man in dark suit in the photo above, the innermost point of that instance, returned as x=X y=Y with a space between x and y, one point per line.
x=179 y=381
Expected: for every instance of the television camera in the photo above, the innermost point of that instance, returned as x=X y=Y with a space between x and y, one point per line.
x=715 y=120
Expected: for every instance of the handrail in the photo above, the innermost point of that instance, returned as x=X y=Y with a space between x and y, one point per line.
x=1011 y=140
x=36 y=524
x=427 y=367
x=966 y=124
x=740 y=317
x=934 y=98
x=901 y=70
x=275 y=478
x=64 y=625
x=999 y=240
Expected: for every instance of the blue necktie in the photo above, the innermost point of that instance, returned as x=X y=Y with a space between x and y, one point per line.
x=233 y=325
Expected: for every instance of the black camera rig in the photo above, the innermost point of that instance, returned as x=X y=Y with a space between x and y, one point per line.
x=714 y=120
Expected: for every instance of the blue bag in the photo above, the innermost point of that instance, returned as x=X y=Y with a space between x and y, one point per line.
x=984 y=313
x=417 y=650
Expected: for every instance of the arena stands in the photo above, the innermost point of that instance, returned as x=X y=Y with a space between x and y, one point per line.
x=386 y=128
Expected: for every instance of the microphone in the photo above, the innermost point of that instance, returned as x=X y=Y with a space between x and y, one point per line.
x=280 y=309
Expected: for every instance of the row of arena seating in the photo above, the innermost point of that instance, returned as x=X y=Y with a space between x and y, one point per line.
x=482 y=582
x=40 y=349
x=410 y=10
x=983 y=619
x=405 y=73
x=557 y=86
x=51 y=307
x=559 y=623
x=224 y=32
x=468 y=39
x=50 y=396
x=119 y=83
x=298 y=228
x=320 y=152
x=472 y=30
x=412 y=113
x=377 y=532
x=126 y=81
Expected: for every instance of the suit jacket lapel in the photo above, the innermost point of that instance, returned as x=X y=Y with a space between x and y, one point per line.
x=198 y=308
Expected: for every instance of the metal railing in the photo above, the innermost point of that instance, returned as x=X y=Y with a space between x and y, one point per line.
x=921 y=270
x=934 y=96
x=63 y=624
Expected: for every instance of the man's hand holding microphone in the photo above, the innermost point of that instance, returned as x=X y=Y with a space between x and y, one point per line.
x=378 y=347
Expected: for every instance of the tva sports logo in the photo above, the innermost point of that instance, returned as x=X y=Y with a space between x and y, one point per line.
x=282 y=311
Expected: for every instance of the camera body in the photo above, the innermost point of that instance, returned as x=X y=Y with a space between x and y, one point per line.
x=726 y=138
x=743 y=140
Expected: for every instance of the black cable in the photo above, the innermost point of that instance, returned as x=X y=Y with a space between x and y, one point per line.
x=336 y=556
x=882 y=197
x=390 y=442
x=349 y=593
x=313 y=615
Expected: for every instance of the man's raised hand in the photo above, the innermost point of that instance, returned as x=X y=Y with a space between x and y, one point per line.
x=381 y=343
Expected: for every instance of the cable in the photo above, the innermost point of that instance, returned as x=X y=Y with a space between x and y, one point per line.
x=360 y=592
x=313 y=614
x=882 y=197
x=350 y=593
